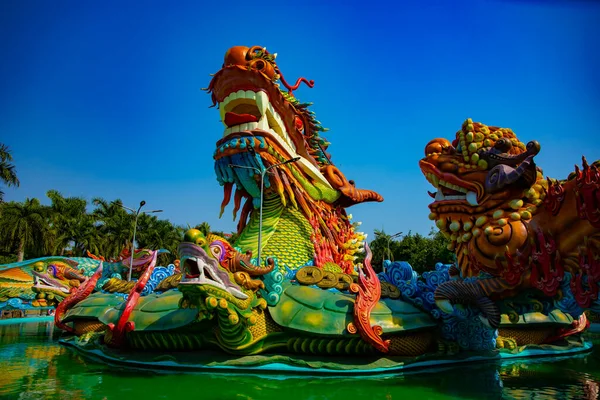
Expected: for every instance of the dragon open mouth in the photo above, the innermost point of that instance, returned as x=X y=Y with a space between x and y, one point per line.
x=450 y=189
x=249 y=110
x=199 y=269
x=262 y=128
x=49 y=284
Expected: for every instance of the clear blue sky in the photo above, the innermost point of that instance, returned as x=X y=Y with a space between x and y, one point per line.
x=103 y=99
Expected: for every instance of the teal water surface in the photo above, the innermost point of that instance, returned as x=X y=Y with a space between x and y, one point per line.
x=34 y=366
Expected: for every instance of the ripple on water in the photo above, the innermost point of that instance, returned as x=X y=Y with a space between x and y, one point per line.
x=34 y=366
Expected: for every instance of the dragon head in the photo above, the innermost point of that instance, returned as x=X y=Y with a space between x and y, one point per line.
x=488 y=187
x=141 y=259
x=211 y=261
x=266 y=127
x=217 y=279
x=55 y=279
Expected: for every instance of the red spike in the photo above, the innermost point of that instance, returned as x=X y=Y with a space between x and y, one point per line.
x=244 y=216
x=75 y=297
x=226 y=196
x=368 y=293
x=237 y=200
x=123 y=325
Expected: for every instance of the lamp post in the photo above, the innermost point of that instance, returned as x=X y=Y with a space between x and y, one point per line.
x=389 y=239
x=137 y=213
x=262 y=171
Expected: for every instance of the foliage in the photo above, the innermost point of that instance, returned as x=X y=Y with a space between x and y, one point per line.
x=26 y=226
x=66 y=227
x=421 y=252
x=8 y=172
x=155 y=233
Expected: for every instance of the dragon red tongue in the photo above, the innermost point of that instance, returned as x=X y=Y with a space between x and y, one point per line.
x=232 y=119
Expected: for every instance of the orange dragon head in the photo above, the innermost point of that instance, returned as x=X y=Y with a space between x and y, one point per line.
x=488 y=186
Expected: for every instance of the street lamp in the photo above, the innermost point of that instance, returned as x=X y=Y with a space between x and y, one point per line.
x=389 y=239
x=137 y=213
x=262 y=171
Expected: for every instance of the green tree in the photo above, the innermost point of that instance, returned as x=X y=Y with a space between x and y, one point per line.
x=25 y=225
x=383 y=247
x=67 y=220
x=421 y=252
x=8 y=172
x=115 y=225
x=204 y=227
x=89 y=237
x=154 y=233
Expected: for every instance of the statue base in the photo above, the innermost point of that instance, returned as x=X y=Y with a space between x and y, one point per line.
x=295 y=364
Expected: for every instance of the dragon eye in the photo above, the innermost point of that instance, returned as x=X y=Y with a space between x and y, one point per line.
x=216 y=250
x=503 y=144
x=38 y=267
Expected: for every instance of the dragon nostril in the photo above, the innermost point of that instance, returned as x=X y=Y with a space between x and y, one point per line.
x=433 y=148
x=439 y=146
x=503 y=144
x=259 y=65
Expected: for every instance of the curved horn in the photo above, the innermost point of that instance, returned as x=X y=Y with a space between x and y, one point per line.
x=241 y=263
x=495 y=157
x=503 y=175
x=351 y=195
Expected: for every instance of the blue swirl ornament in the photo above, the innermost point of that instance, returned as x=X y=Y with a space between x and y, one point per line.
x=157 y=276
x=273 y=286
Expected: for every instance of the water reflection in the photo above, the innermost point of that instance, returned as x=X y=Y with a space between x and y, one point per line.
x=34 y=366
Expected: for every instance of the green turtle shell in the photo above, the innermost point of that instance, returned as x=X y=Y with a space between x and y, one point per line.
x=555 y=317
x=155 y=312
x=93 y=307
x=152 y=312
x=325 y=312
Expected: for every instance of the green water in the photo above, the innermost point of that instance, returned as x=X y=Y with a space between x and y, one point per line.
x=34 y=366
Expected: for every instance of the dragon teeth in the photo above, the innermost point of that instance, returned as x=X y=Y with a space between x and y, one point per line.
x=451 y=186
x=263 y=123
x=262 y=101
x=472 y=198
x=222 y=112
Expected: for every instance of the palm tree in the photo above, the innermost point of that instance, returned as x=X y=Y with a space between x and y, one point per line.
x=154 y=233
x=114 y=224
x=68 y=216
x=203 y=227
x=8 y=173
x=89 y=237
x=25 y=225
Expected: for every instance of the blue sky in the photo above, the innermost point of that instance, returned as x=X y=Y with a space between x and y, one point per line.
x=104 y=99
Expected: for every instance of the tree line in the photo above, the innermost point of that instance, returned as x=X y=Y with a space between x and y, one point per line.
x=29 y=229
x=420 y=251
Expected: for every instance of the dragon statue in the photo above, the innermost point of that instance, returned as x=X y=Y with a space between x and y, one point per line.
x=304 y=203
x=518 y=237
x=290 y=294
x=36 y=287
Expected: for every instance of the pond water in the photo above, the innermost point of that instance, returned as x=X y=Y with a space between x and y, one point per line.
x=34 y=366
